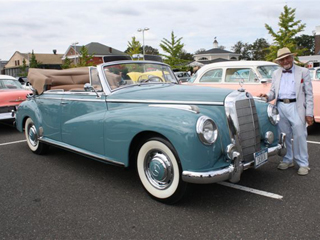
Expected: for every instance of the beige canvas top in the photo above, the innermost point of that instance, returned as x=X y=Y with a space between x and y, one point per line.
x=45 y=79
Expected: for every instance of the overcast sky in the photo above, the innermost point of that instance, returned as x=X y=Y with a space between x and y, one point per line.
x=46 y=25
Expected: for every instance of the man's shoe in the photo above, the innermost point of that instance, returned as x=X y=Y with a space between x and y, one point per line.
x=303 y=171
x=284 y=165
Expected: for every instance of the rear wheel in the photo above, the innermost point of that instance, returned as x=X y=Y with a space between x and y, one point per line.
x=160 y=171
x=33 y=138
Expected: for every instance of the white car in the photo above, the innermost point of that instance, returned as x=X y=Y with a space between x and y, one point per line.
x=315 y=73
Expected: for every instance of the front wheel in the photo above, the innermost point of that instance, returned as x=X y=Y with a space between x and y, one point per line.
x=160 y=171
x=32 y=137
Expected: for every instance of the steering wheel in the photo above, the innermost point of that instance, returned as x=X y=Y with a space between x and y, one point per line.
x=151 y=78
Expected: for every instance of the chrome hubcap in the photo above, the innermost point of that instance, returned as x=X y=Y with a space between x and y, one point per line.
x=33 y=136
x=158 y=169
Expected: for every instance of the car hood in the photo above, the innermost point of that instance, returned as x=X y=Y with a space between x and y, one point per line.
x=12 y=97
x=170 y=92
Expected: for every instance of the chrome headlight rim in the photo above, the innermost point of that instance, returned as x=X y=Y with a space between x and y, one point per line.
x=273 y=114
x=204 y=124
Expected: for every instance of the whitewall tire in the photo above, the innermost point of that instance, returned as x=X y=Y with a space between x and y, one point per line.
x=159 y=170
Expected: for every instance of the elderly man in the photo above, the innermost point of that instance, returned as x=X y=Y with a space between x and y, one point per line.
x=292 y=90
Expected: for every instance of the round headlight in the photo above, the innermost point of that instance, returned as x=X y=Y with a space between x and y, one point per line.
x=273 y=114
x=207 y=130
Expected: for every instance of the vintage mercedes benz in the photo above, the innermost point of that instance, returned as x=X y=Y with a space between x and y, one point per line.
x=134 y=113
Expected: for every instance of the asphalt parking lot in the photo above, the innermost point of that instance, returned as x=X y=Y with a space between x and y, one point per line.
x=62 y=195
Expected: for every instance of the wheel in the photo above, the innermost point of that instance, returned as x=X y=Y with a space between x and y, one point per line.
x=32 y=138
x=159 y=171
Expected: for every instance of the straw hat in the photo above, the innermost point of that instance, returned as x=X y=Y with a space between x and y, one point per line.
x=284 y=52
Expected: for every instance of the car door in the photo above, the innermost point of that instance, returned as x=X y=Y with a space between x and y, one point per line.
x=49 y=104
x=82 y=118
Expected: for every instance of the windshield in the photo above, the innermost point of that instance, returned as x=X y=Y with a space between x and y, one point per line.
x=266 y=71
x=124 y=74
x=10 y=84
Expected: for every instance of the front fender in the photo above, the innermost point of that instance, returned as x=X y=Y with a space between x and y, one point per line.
x=27 y=109
x=178 y=126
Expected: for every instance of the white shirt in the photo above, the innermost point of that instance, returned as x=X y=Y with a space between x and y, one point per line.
x=287 y=85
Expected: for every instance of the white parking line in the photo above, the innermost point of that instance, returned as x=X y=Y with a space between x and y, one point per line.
x=313 y=142
x=2 y=144
x=252 y=190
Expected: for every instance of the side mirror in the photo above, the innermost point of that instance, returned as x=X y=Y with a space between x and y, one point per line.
x=264 y=80
x=89 y=88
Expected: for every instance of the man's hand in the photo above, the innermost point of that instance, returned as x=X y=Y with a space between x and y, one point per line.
x=263 y=95
x=309 y=120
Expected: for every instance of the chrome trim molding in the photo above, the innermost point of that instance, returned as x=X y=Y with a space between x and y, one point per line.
x=163 y=102
x=79 y=151
x=234 y=170
x=190 y=108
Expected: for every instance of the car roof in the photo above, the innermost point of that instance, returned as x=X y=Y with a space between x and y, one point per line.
x=237 y=64
x=7 y=77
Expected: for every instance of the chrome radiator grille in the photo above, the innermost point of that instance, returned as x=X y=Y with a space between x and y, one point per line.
x=249 y=133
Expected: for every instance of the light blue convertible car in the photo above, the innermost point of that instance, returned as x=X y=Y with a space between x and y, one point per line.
x=134 y=113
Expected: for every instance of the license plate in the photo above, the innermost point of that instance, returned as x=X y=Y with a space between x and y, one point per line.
x=260 y=157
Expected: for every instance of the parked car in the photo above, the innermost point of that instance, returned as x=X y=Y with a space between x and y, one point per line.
x=174 y=134
x=11 y=95
x=315 y=73
x=182 y=76
x=253 y=76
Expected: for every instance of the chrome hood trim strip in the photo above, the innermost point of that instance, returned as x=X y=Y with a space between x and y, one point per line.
x=164 y=102
x=190 y=108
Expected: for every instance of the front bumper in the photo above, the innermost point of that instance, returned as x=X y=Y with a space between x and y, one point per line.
x=234 y=170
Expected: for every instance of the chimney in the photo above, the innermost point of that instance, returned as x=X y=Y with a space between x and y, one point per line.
x=317 y=41
x=54 y=51
x=215 y=43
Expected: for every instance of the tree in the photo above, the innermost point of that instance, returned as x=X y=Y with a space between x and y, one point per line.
x=150 y=50
x=85 y=58
x=33 y=61
x=186 y=56
x=244 y=49
x=259 y=49
x=173 y=49
x=201 y=50
x=306 y=42
x=134 y=47
x=23 y=69
x=284 y=37
x=66 y=64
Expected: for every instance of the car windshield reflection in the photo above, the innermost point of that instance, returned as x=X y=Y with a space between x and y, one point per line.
x=125 y=74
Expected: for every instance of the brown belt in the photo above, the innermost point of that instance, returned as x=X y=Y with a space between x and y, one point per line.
x=287 y=100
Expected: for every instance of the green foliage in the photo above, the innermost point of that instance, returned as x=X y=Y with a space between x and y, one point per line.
x=33 y=61
x=85 y=58
x=134 y=47
x=23 y=69
x=306 y=42
x=150 y=50
x=173 y=49
x=259 y=49
x=284 y=37
x=67 y=63
x=244 y=49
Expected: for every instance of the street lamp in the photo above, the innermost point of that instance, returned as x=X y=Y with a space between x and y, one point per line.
x=142 y=30
x=75 y=51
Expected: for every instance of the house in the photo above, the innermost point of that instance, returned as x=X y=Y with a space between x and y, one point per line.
x=2 y=64
x=215 y=54
x=45 y=60
x=96 y=49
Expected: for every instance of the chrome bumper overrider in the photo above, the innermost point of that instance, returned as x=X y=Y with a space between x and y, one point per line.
x=234 y=170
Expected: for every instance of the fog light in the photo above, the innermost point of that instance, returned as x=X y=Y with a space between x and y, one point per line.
x=268 y=137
